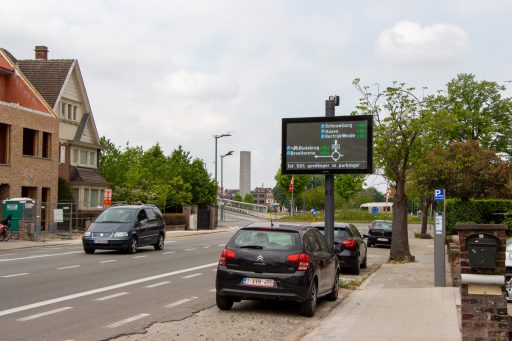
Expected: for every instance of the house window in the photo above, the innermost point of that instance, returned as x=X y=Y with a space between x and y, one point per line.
x=74 y=112
x=69 y=111
x=94 y=198
x=83 y=157
x=4 y=143
x=62 y=156
x=29 y=142
x=63 y=110
x=85 y=198
x=47 y=142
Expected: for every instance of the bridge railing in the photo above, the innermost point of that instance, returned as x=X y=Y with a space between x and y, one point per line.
x=243 y=206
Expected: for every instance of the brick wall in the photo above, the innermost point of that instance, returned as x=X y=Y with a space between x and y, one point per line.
x=483 y=317
x=29 y=171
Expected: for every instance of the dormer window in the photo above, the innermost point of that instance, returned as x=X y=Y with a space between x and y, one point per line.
x=69 y=111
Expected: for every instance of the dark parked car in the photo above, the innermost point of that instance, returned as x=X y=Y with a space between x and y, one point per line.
x=126 y=228
x=380 y=233
x=349 y=246
x=279 y=262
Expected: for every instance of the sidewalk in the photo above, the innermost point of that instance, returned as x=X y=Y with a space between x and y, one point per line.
x=397 y=302
x=22 y=244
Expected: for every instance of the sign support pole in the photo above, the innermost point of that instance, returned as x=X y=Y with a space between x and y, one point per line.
x=439 y=238
x=329 y=183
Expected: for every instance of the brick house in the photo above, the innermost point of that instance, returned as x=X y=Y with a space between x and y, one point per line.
x=60 y=83
x=263 y=196
x=29 y=139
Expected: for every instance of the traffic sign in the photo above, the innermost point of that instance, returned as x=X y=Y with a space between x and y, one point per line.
x=439 y=195
x=375 y=210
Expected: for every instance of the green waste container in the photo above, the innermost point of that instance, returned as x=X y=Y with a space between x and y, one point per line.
x=21 y=209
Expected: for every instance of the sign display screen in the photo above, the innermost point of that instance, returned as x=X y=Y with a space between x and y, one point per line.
x=327 y=145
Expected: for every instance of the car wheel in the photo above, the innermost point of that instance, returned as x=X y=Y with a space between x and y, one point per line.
x=133 y=246
x=369 y=244
x=333 y=296
x=356 y=269
x=364 y=264
x=224 y=302
x=308 y=307
x=89 y=250
x=160 y=242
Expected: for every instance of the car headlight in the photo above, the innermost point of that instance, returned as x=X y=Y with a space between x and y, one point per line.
x=121 y=234
x=87 y=234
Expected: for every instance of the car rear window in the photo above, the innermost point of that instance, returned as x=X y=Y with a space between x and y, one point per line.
x=266 y=239
x=339 y=232
x=384 y=226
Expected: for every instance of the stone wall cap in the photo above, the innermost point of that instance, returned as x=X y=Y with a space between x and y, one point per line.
x=481 y=227
x=482 y=279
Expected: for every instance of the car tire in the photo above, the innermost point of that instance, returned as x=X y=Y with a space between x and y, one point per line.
x=333 y=295
x=224 y=302
x=369 y=244
x=308 y=307
x=364 y=264
x=356 y=270
x=132 y=248
x=159 y=245
x=89 y=250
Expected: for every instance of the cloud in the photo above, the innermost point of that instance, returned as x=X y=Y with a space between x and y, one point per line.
x=199 y=85
x=410 y=43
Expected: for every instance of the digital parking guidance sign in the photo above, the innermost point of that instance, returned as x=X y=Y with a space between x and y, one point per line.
x=327 y=145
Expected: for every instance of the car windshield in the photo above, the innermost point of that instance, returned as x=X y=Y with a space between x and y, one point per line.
x=116 y=215
x=339 y=232
x=266 y=239
x=384 y=225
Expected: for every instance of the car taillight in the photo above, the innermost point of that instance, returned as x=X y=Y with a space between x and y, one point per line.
x=225 y=255
x=301 y=259
x=349 y=243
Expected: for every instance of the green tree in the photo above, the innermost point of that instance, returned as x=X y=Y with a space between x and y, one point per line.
x=178 y=195
x=400 y=123
x=65 y=193
x=249 y=198
x=237 y=197
x=347 y=186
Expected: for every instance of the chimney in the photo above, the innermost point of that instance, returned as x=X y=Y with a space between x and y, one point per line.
x=41 y=52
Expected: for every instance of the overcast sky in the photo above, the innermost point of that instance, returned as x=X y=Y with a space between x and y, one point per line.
x=178 y=72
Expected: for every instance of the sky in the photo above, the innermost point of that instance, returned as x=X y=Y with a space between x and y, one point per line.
x=178 y=72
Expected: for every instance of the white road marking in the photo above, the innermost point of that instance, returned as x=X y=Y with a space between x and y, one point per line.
x=157 y=284
x=214 y=270
x=112 y=296
x=221 y=244
x=55 y=311
x=206 y=247
x=191 y=276
x=68 y=267
x=189 y=249
x=212 y=290
x=168 y=252
x=170 y=241
x=16 y=275
x=98 y=290
x=140 y=256
x=185 y=300
x=126 y=321
x=7 y=254
x=40 y=256
x=108 y=261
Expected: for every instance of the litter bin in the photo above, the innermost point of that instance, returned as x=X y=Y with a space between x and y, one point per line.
x=21 y=209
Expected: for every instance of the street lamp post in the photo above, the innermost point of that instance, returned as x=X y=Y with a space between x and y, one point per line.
x=222 y=182
x=216 y=137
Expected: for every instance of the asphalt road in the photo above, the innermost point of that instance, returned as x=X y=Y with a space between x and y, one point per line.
x=61 y=293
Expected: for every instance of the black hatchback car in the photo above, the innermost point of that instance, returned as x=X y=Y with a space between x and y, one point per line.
x=349 y=246
x=126 y=228
x=280 y=262
x=380 y=233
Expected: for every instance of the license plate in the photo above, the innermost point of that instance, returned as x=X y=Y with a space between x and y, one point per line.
x=101 y=241
x=382 y=239
x=258 y=282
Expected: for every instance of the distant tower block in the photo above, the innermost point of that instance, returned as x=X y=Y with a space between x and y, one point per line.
x=245 y=173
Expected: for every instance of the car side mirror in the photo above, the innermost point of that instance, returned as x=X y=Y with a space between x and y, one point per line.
x=365 y=236
x=143 y=221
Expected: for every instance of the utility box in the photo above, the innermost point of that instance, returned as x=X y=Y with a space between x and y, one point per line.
x=20 y=209
x=482 y=250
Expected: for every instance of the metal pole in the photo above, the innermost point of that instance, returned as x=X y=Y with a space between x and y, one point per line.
x=329 y=188
x=439 y=246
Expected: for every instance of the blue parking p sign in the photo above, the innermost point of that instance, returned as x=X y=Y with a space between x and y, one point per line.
x=439 y=195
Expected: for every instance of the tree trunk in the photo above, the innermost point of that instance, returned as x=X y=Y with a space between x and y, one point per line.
x=400 y=242
x=424 y=215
